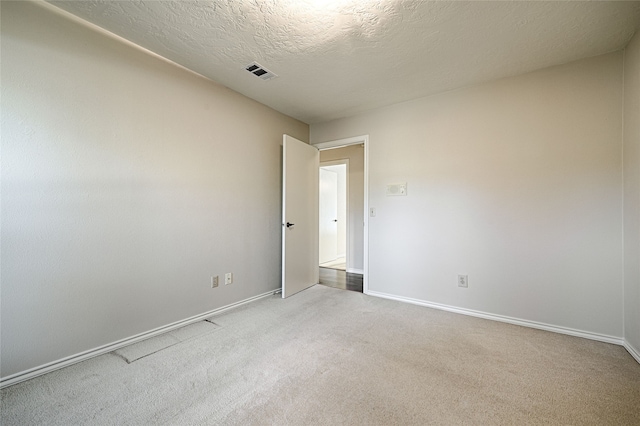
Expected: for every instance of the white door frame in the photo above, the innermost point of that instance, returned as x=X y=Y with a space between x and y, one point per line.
x=340 y=143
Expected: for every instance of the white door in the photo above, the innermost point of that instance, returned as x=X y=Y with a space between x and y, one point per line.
x=300 y=163
x=328 y=215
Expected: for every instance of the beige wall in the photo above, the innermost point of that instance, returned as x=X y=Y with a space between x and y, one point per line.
x=126 y=183
x=632 y=195
x=355 y=155
x=516 y=183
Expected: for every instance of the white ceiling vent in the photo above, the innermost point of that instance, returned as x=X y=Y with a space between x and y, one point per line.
x=260 y=71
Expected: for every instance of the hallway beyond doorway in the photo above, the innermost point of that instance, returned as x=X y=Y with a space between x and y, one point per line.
x=339 y=263
x=341 y=279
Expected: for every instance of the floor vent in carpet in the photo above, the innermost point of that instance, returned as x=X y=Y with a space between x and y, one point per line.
x=150 y=346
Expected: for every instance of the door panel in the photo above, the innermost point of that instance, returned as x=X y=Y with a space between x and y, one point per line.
x=300 y=164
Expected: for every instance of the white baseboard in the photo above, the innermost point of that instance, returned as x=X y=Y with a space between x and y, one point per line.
x=82 y=356
x=510 y=320
x=355 y=271
x=632 y=351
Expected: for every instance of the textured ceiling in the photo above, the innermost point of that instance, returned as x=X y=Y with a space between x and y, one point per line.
x=338 y=58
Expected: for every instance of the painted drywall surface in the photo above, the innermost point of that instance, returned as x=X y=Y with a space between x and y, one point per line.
x=355 y=155
x=632 y=193
x=126 y=183
x=338 y=58
x=516 y=183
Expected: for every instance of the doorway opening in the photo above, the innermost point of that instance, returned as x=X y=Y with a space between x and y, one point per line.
x=342 y=213
x=332 y=217
x=300 y=211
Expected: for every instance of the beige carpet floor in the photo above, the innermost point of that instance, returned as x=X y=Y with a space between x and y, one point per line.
x=330 y=357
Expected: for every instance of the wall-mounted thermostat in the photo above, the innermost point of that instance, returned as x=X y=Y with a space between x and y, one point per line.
x=397 y=189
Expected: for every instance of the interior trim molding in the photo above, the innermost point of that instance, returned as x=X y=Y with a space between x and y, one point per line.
x=502 y=318
x=110 y=347
x=635 y=353
x=355 y=271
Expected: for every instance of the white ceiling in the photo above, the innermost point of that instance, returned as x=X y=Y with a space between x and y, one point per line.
x=336 y=58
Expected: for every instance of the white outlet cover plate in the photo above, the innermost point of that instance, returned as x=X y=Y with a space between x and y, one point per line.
x=463 y=281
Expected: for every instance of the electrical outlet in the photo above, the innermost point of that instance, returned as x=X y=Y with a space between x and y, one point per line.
x=228 y=278
x=463 y=281
x=214 y=281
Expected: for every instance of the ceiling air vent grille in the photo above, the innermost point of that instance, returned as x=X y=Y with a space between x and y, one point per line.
x=260 y=71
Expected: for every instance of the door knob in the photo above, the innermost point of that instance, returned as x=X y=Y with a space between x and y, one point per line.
x=289 y=225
